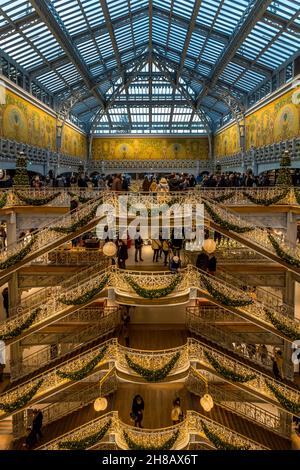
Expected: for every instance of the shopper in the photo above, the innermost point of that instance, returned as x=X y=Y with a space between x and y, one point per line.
x=138 y=244
x=176 y=413
x=137 y=410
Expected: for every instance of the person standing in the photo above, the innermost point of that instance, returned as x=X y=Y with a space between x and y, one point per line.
x=137 y=410
x=202 y=261
x=138 y=244
x=5 y=301
x=37 y=423
x=176 y=413
x=122 y=254
x=279 y=362
x=165 y=249
x=212 y=265
x=156 y=245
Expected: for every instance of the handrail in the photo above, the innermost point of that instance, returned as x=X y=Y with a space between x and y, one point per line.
x=190 y=277
x=69 y=402
x=235 y=402
x=153 y=437
x=193 y=351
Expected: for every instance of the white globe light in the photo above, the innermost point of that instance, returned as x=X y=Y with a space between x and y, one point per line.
x=209 y=245
x=100 y=404
x=207 y=402
x=109 y=249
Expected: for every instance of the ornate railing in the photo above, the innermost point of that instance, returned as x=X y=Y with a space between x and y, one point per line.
x=30 y=363
x=231 y=341
x=71 y=257
x=69 y=402
x=237 y=403
x=127 y=436
x=40 y=241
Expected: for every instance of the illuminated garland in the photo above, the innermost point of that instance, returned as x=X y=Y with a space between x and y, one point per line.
x=17 y=257
x=81 y=199
x=297 y=195
x=166 y=446
x=287 y=330
x=266 y=201
x=38 y=201
x=78 y=224
x=86 y=442
x=283 y=254
x=84 y=371
x=223 y=197
x=289 y=405
x=153 y=293
x=227 y=373
x=222 y=298
x=223 y=223
x=82 y=299
x=22 y=401
x=153 y=375
x=19 y=329
x=218 y=442
x=3 y=200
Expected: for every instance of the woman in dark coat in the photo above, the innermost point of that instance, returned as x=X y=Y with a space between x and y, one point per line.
x=122 y=254
x=137 y=410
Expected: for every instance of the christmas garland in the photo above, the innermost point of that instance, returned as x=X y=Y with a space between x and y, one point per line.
x=153 y=293
x=222 y=298
x=76 y=225
x=166 y=446
x=86 y=442
x=227 y=373
x=3 y=200
x=82 y=299
x=288 y=331
x=81 y=199
x=39 y=201
x=289 y=405
x=153 y=375
x=19 y=329
x=297 y=195
x=84 y=371
x=218 y=442
x=266 y=201
x=283 y=254
x=17 y=257
x=223 y=197
x=226 y=225
x=22 y=401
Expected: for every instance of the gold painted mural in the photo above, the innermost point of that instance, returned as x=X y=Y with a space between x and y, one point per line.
x=154 y=148
x=24 y=122
x=278 y=120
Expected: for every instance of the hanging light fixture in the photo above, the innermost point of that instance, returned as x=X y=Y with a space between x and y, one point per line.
x=209 y=245
x=100 y=404
x=206 y=401
x=109 y=249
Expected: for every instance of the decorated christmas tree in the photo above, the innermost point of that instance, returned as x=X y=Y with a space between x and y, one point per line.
x=21 y=175
x=284 y=177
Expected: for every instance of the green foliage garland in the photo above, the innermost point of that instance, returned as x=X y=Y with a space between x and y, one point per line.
x=19 y=329
x=223 y=197
x=227 y=373
x=284 y=177
x=17 y=257
x=81 y=199
x=219 y=443
x=153 y=375
x=297 y=195
x=3 y=200
x=166 y=446
x=282 y=254
x=222 y=298
x=288 y=331
x=84 y=371
x=37 y=201
x=223 y=223
x=21 y=176
x=21 y=401
x=86 y=442
x=266 y=201
x=78 y=224
x=82 y=299
x=153 y=293
x=289 y=405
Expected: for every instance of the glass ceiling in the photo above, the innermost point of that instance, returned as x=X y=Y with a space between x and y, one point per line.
x=149 y=66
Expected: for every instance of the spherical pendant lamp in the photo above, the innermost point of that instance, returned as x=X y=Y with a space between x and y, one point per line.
x=109 y=249
x=207 y=402
x=209 y=245
x=100 y=404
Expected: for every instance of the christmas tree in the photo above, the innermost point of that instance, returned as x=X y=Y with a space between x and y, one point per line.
x=284 y=177
x=21 y=175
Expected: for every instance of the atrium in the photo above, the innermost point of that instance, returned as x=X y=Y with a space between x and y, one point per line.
x=149 y=229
